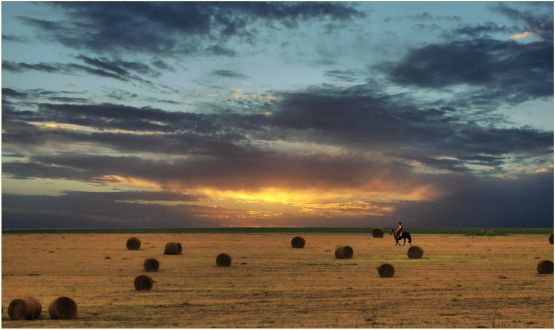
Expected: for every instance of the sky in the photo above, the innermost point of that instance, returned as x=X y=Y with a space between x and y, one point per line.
x=277 y=114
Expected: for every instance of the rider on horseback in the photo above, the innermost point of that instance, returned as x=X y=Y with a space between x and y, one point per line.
x=398 y=231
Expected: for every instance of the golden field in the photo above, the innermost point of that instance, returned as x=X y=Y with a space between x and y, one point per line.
x=462 y=281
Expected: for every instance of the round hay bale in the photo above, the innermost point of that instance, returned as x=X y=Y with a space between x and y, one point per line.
x=63 y=308
x=27 y=308
x=223 y=260
x=173 y=248
x=143 y=282
x=297 y=242
x=545 y=267
x=551 y=239
x=151 y=265
x=133 y=243
x=344 y=252
x=386 y=270
x=415 y=252
x=377 y=233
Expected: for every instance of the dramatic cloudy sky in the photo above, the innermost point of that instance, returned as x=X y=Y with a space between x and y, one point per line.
x=277 y=114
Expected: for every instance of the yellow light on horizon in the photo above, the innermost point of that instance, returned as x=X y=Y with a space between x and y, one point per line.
x=521 y=35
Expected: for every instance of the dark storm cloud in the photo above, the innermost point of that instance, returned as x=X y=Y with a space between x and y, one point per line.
x=42 y=24
x=38 y=94
x=516 y=71
x=170 y=132
x=22 y=67
x=220 y=154
x=99 y=210
x=452 y=165
x=179 y=27
x=119 y=67
x=218 y=50
x=119 y=116
x=360 y=117
x=470 y=201
x=64 y=99
x=22 y=170
x=344 y=75
x=487 y=202
x=14 y=38
x=479 y=30
x=228 y=74
x=9 y=92
x=425 y=16
x=132 y=196
x=539 y=23
x=158 y=63
x=356 y=117
x=257 y=171
x=102 y=67
x=63 y=68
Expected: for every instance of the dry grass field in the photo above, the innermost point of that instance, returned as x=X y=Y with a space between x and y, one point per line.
x=462 y=281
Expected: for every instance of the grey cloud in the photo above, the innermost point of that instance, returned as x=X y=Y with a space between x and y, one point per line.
x=479 y=30
x=132 y=196
x=64 y=99
x=222 y=172
x=102 y=67
x=98 y=210
x=178 y=28
x=158 y=63
x=219 y=153
x=22 y=170
x=22 y=67
x=9 y=92
x=425 y=16
x=14 y=38
x=512 y=70
x=119 y=67
x=355 y=117
x=487 y=202
x=37 y=94
x=42 y=24
x=229 y=74
x=369 y=120
x=540 y=23
x=176 y=132
x=344 y=75
x=217 y=50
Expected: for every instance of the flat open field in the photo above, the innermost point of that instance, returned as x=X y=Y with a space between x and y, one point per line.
x=462 y=281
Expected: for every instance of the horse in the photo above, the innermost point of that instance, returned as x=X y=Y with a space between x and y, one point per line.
x=404 y=236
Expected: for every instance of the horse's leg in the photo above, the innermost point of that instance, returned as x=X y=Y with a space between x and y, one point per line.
x=404 y=241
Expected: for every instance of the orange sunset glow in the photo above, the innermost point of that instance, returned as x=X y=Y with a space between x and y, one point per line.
x=178 y=114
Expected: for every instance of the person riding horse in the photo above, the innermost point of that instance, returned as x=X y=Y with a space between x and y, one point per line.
x=400 y=234
x=398 y=231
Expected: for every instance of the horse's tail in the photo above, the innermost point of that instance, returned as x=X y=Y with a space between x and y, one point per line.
x=409 y=238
